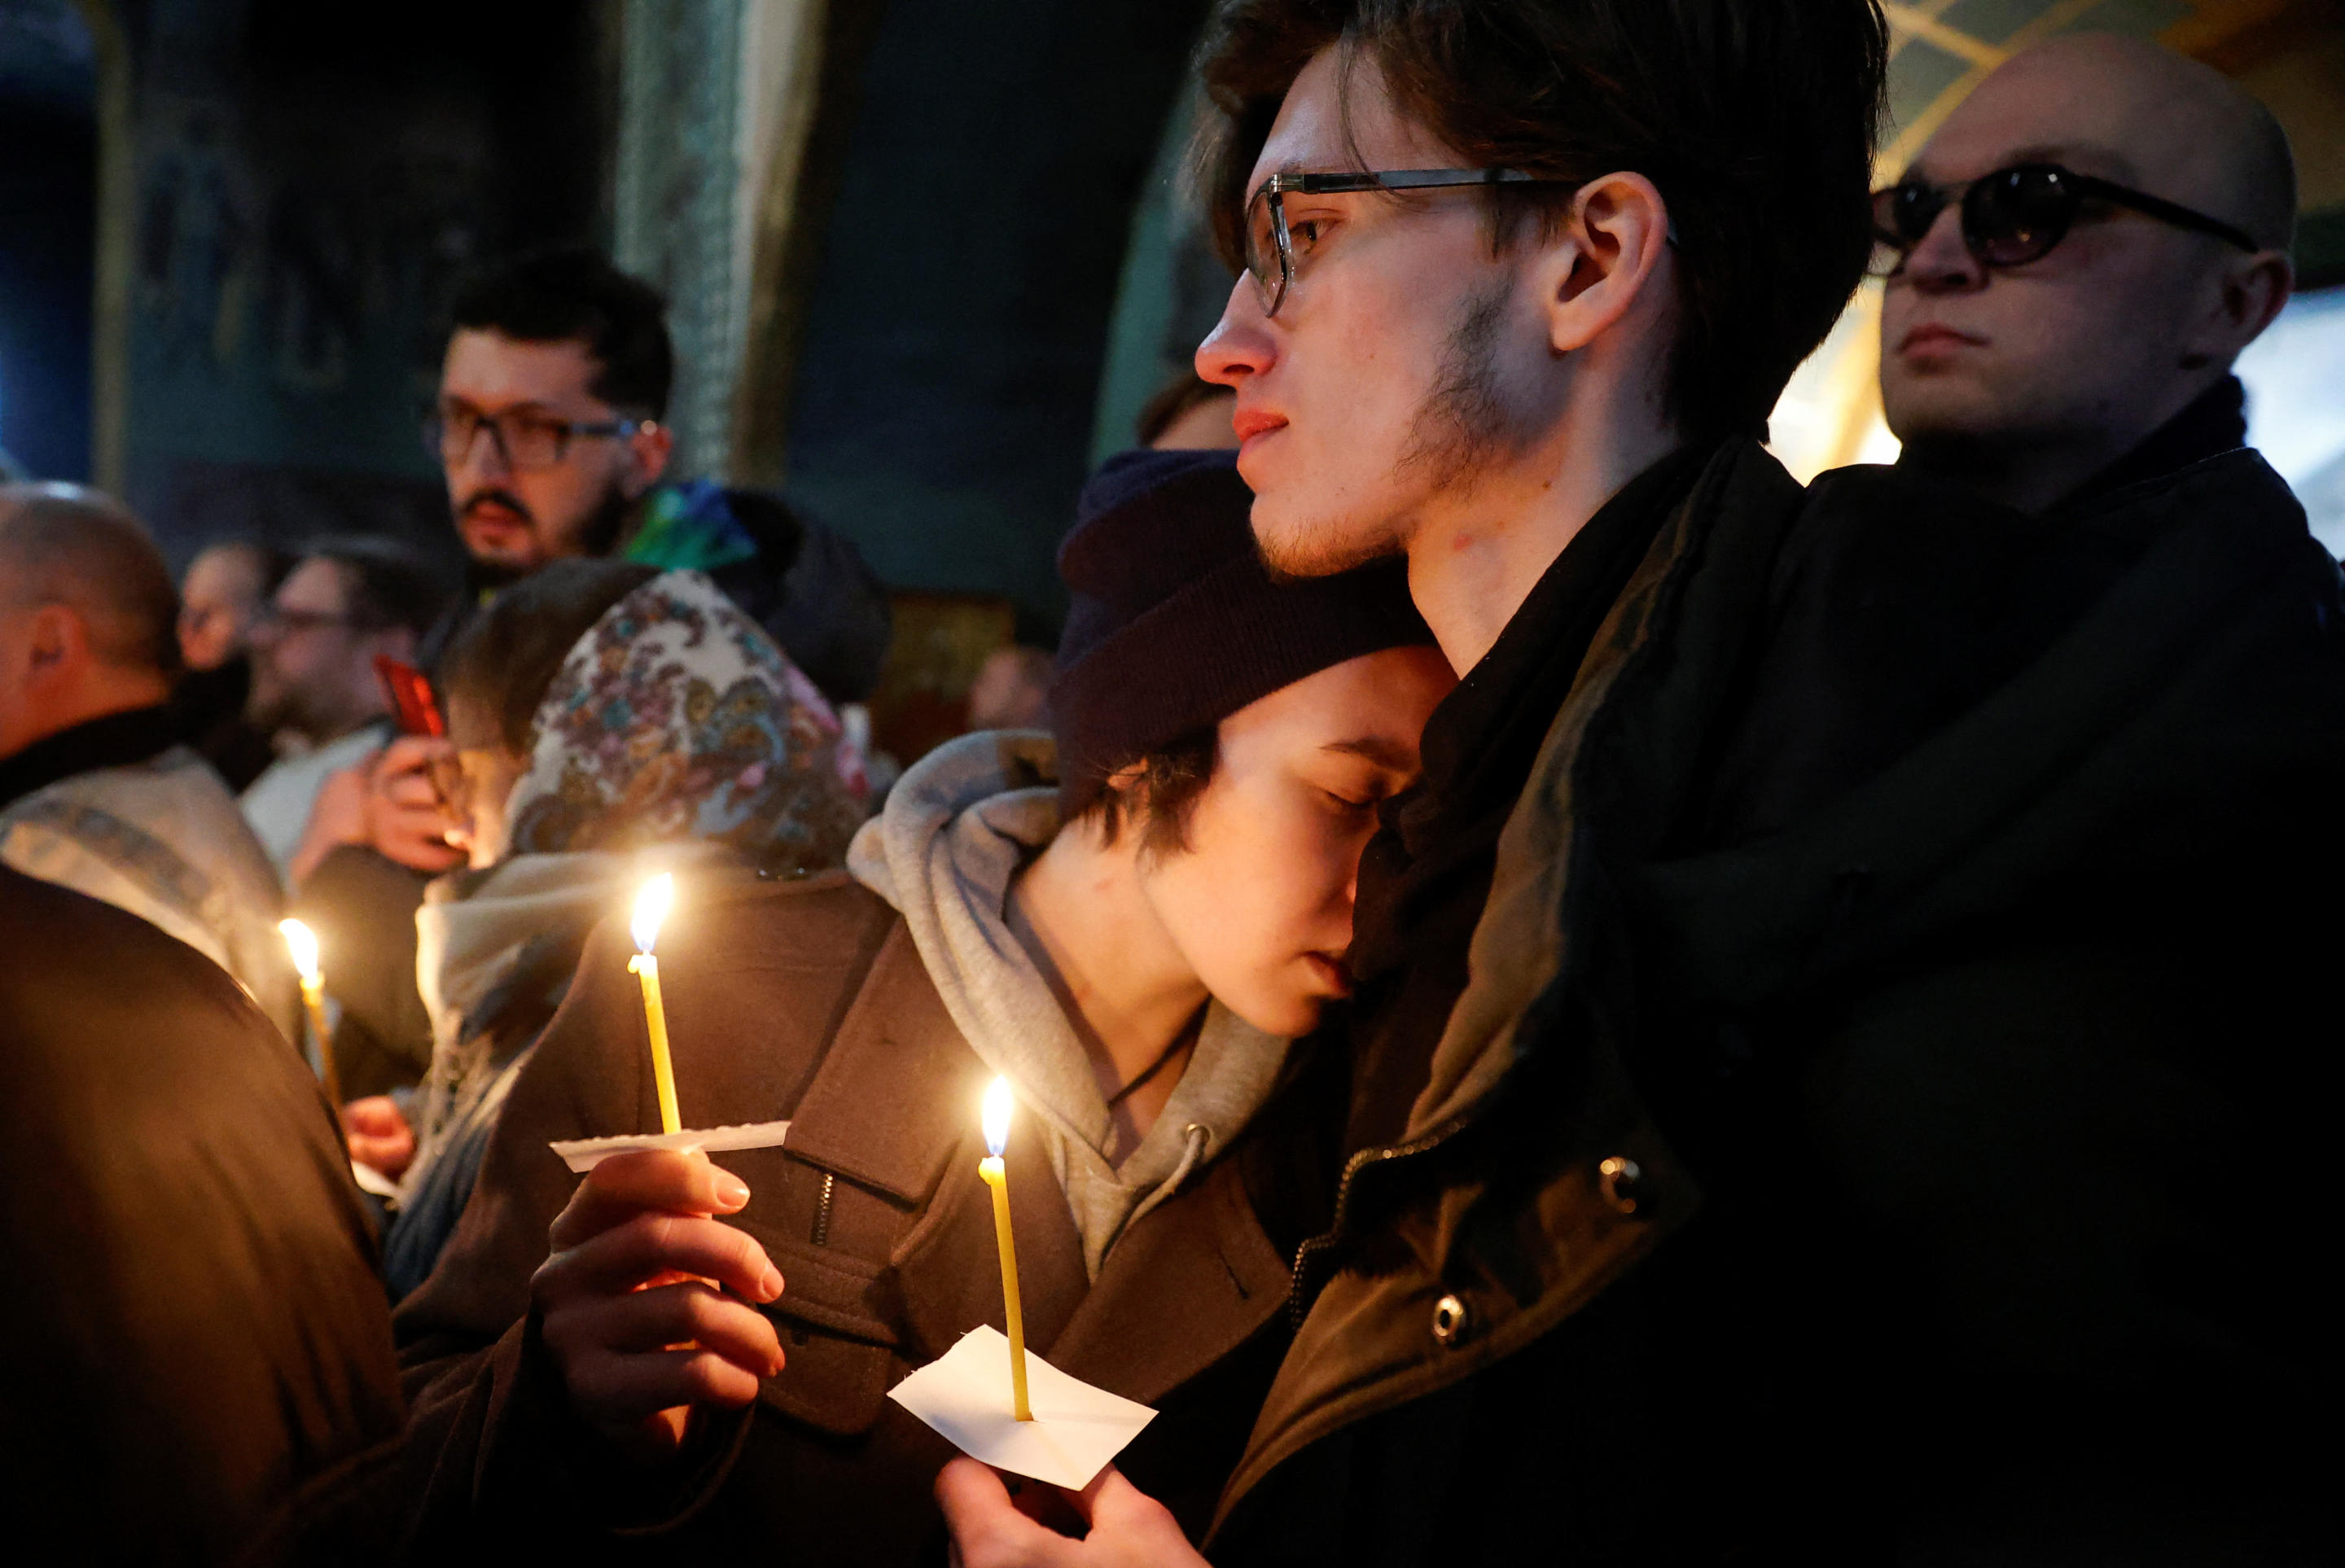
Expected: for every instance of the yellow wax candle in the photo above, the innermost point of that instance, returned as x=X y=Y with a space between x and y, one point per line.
x=997 y=1176
x=303 y=945
x=652 y=904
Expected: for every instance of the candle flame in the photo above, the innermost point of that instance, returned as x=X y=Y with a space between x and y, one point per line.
x=303 y=942
x=997 y=1117
x=652 y=904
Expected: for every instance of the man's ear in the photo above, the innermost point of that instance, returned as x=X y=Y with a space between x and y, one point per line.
x=1602 y=264
x=648 y=451
x=56 y=642
x=2249 y=293
x=1127 y=783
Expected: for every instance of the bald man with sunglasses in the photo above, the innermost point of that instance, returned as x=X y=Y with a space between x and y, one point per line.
x=2072 y=264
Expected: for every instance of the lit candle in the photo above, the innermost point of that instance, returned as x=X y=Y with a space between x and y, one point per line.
x=996 y=1175
x=304 y=944
x=652 y=904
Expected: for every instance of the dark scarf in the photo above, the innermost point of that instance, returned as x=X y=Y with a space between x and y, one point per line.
x=113 y=741
x=1426 y=873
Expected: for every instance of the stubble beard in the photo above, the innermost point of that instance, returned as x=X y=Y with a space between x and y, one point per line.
x=1464 y=426
x=1461 y=430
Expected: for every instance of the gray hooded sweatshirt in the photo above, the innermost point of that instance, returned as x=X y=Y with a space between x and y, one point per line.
x=955 y=833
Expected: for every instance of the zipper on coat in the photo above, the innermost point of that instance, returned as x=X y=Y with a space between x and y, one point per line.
x=1296 y=1307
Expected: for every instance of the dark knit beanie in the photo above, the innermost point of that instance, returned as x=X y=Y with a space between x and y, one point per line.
x=1175 y=624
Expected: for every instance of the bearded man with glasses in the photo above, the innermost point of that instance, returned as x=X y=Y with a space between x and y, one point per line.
x=2072 y=264
x=1839 y=1048
x=549 y=428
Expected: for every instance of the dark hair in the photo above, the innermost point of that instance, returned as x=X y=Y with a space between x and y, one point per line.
x=1173 y=398
x=385 y=583
x=577 y=296
x=1754 y=118
x=1171 y=778
x=503 y=662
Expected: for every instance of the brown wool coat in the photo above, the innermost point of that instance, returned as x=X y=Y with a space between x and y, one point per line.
x=807 y=999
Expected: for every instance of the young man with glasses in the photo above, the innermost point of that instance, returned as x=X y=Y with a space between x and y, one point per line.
x=549 y=430
x=548 y=427
x=2072 y=264
x=1838 y=939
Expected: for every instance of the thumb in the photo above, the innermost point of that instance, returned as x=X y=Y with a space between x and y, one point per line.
x=1110 y=1497
x=987 y=1528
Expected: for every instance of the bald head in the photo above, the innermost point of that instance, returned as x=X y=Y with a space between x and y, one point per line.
x=2025 y=378
x=2130 y=111
x=66 y=545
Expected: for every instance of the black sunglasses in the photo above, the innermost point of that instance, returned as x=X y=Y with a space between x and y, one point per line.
x=2016 y=214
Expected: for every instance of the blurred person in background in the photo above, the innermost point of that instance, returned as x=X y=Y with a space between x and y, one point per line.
x=196 y=1362
x=1012 y=690
x=347 y=603
x=2073 y=262
x=609 y=720
x=1188 y=413
x=223 y=595
x=97 y=791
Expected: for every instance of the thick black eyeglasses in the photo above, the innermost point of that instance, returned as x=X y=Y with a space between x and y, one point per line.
x=523 y=440
x=2016 y=214
x=1270 y=243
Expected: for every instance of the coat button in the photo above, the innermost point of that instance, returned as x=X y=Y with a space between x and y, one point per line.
x=1618 y=1178
x=1448 y=1320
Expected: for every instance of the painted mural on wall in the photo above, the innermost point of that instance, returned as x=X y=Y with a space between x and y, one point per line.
x=309 y=199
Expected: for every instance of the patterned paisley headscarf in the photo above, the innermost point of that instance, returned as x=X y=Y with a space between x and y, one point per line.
x=676 y=717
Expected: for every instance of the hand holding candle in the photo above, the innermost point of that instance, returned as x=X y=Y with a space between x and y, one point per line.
x=652 y=904
x=304 y=944
x=996 y=1175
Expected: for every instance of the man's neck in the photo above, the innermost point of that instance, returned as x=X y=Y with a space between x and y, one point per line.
x=2034 y=472
x=1470 y=569
x=107 y=692
x=342 y=728
x=73 y=739
x=1081 y=913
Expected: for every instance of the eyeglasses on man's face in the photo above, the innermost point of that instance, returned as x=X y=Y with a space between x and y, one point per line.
x=274 y=622
x=523 y=440
x=1272 y=246
x=2016 y=214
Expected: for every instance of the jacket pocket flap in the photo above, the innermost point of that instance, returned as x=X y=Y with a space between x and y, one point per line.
x=838 y=1338
x=835 y=1291
x=832 y=1384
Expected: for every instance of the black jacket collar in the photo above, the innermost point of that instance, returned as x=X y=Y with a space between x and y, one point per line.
x=116 y=740
x=2213 y=423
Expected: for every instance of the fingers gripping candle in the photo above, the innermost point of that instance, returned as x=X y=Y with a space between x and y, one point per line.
x=303 y=945
x=652 y=904
x=996 y=1175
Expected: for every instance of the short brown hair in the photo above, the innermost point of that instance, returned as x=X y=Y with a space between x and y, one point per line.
x=501 y=665
x=1754 y=118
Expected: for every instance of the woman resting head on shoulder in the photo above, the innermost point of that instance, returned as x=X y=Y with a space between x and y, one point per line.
x=1131 y=922
x=608 y=719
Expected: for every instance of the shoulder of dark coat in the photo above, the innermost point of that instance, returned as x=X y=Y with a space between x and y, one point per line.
x=779 y=530
x=814 y=931
x=732 y=916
